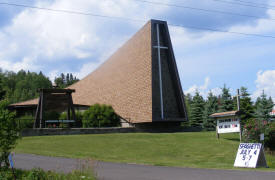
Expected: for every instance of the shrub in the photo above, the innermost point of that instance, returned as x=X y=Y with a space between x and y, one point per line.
x=25 y=121
x=9 y=133
x=100 y=116
x=253 y=128
x=270 y=139
x=39 y=174
x=78 y=118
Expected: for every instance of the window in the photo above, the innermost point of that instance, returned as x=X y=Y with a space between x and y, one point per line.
x=227 y=126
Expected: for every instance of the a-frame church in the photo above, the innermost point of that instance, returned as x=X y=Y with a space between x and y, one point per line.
x=140 y=80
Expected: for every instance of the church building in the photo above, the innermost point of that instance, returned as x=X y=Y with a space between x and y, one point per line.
x=140 y=81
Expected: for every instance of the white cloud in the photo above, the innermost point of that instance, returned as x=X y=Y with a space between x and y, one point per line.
x=27 y=63
x=185 y=39
x=265 y=81
x=87 y=68
x=54 y=36
x=35 y=37
x=53 y=74
x=203 y=89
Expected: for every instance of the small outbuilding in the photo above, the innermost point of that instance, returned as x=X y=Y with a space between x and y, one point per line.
x=227 y=122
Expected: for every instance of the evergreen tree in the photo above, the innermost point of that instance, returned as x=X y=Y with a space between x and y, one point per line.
x=270 y=103
x=226 y=102
x=263 y=108
x=211 y=107
x=2 y=92
x=65 y=81
x=188 y=102
x=197 y=108
x=246 y=106
x=71 y=77
x=59 y=82
x=62 y=77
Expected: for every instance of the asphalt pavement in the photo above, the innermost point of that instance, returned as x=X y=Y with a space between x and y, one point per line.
x=121 y=171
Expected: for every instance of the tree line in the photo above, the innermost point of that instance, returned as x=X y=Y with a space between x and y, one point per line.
x=200 y=109
x=23 y=85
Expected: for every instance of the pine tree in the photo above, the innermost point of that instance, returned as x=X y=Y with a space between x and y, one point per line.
x=263 y=108
x=226 y=102
x=188 y=102
x=67 y=81
x=2 y=92
x=71 y=77
x=197 y=108
x=246 y=106
x=211 y=107
x=270 y=103
x=59 y=82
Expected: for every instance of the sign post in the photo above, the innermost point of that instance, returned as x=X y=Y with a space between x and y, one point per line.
x=250 y=155
x=12 y=166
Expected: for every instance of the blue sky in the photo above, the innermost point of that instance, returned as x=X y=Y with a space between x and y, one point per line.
x=55 y=42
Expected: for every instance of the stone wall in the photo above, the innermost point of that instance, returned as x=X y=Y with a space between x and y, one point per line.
x=141 y=128
x=74 y=131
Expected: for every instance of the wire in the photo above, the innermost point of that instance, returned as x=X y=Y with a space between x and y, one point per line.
x=70 y=12
x=204 y=10
x=157 y=3
x=249 y=2
x=137 y=20
x=246 y=4
x=223 y=31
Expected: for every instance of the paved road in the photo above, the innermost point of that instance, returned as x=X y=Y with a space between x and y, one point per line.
x=119 y=171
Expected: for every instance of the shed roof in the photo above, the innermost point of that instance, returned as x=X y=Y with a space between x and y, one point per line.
x=225 y=114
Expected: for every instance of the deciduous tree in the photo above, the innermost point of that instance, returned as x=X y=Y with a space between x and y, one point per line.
x=9 y=133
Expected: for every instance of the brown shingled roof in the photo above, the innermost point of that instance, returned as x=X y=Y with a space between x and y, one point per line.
x=32 y=102
x=129 y=79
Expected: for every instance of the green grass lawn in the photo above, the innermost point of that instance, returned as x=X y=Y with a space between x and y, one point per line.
x=196 y=149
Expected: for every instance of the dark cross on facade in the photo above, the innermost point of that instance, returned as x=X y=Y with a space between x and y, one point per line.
x=159 y=47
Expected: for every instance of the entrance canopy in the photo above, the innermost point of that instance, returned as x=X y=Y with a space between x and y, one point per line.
x=53 y=99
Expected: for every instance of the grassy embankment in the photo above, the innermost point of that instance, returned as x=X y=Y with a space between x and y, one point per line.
x=197 y=150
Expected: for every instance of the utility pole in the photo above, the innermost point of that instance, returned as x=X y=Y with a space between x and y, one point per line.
x=238 y=108
x=238 y=99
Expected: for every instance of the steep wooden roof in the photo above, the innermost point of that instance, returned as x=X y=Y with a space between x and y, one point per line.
x=124 y=80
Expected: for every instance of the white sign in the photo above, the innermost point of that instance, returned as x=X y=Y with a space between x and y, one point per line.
x=262 y=137
x=229 y=125
x=250 y=155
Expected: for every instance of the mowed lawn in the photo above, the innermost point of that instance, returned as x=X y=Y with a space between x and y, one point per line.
x=196 y=149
